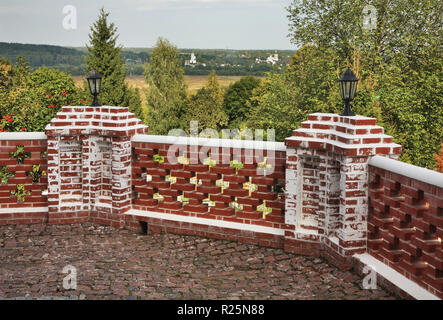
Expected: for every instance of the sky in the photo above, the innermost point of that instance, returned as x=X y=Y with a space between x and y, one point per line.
x=221 y=24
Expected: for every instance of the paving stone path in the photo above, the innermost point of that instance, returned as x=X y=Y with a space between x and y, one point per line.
x=118 y=264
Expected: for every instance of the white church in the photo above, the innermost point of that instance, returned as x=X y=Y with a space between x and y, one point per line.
x=192 y=62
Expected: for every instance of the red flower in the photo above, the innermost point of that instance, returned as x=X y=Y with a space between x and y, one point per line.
x=23 y=129
x=8 y=118
x=51 y=106
x=49 y=95
x=64 y=93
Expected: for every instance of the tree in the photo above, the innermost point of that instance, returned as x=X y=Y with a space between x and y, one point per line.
x=206 y=106
x=104 y=56
x=284 y=100
x=5 y=74
x=166 y=92
x=20 y=71
x=32 y=104
x=399 y=65
x=406 y=30
x=273 y=106
x=133 y=100
x=235 y=100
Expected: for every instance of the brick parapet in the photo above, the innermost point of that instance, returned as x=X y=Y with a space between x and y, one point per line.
x=405 y=221
x=326 y=193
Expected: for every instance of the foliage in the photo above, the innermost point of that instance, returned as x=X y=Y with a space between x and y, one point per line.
x=134 y=103
x=273 y=106
x=166 y=93
x=20 y=154
x=405 y=29
x=308 y=85
x=439 y=159
x=71 y=60
x=5 y=74
x=41 y=55
x=5 y=174
x=36 y=173
x=206 y=106
x=20 y=192
x=20 y=71
x=35 y=99
x=235 y=100
x=411 y=103
x=399 y=65
x=158 y=158
x=104 y=56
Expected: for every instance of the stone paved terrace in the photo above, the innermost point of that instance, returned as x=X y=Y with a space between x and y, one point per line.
x=119 y=264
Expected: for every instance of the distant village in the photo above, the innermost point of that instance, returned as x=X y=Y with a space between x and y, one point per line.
x=272 y=60
x=224 y=62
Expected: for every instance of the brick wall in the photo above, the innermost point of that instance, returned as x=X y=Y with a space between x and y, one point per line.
x=324 y=192
x=326 y=184
x=232 y=184
x=405 y=221
x=23 y=178
x=89 y=164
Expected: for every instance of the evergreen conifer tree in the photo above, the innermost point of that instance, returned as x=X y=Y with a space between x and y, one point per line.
x=104 y=56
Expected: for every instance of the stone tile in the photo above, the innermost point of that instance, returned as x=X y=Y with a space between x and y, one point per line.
x=117 y=264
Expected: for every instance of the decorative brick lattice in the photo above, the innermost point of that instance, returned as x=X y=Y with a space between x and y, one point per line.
x=233 y=191
x=23 y=180
x=405 y=226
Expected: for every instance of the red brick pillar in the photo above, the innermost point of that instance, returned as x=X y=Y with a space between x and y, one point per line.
x=89 y=164
x=327 y=184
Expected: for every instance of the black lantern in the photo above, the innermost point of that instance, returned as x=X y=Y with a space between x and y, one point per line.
x=348 y=88
x=94 y=82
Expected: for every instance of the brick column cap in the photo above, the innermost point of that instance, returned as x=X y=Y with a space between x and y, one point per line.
x=350 y=136
x=102 y=121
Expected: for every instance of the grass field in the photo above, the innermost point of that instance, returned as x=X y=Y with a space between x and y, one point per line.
x=194 y=82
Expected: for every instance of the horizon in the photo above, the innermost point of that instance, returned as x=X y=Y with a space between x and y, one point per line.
x=179 y=48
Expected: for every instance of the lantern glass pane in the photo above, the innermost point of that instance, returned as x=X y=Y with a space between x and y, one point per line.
x=353 y=89
x=91 y=83
x=98 y=85
x=346 y=89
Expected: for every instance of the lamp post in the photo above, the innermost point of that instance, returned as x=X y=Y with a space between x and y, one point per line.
x=348 y=88
x=94 y=82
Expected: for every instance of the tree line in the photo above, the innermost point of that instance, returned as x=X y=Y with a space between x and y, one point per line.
x=400 y=71
x=71 y=60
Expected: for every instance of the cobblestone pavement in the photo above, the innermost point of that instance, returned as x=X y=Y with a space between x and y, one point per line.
x=118 y=264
